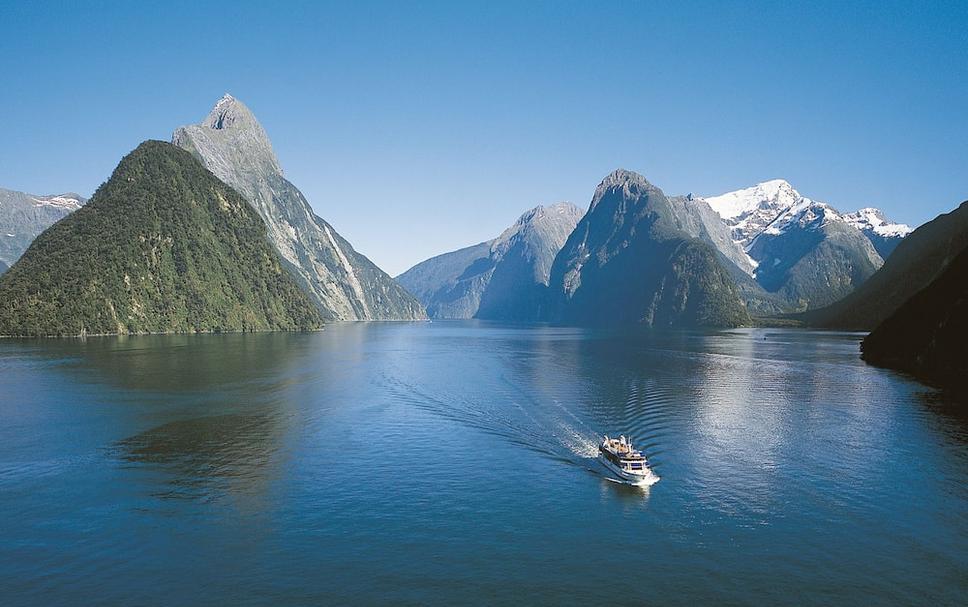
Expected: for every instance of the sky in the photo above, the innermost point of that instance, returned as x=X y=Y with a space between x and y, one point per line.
x=419 y=128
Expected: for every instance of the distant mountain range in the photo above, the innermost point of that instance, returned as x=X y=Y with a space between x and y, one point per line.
x=24 y=216
x=163 y=246
x=774 y=249
x=636 y=256
x=805 y=252
x=505 y=278
x=342 y=283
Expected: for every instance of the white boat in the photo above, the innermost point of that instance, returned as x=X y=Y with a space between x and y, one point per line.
x=620 y=457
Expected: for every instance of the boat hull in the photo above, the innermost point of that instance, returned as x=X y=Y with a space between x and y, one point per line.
x=644 y=478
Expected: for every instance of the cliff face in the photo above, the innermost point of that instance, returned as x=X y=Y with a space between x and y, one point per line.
x=342 y=283
x=629 y=261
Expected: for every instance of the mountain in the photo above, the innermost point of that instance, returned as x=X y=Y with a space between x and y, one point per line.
x=918 y=260
x=884 y=234
x=928 y=335
x=502 y=279
x=162 y=246
x=629 y=261
x=801 y=250
x=24 y=216
x=342 y=283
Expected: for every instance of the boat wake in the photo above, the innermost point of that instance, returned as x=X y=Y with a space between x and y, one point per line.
x=544 y=426
x=540 y=422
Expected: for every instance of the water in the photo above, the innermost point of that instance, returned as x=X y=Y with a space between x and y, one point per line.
x=454 y=463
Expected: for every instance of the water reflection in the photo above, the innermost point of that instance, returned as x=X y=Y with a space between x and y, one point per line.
x=207 y=457
x=438 y=461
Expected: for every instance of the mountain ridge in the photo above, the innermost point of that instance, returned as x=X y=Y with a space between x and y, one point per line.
x=342 y=283
x=504 y=278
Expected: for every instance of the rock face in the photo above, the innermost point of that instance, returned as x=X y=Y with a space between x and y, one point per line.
x=928 y=335
x=24 y=216
x=501 y=279
x=918 y=260
x=803 y=251
x=630 y=260
x=163 y=246
x=343 y=284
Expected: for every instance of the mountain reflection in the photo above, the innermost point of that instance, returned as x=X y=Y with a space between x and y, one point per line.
x=233 y=407
x=207 y=457
x=183 y=363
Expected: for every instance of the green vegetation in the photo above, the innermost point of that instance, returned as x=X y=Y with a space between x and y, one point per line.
x=163 y=246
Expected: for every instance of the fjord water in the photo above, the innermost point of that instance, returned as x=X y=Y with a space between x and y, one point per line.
x=414 y=463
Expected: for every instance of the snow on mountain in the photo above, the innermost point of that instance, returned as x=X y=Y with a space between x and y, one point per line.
x=774 y=206
x=805 y=214
x=23 y=216
x=804 y=250
x=749 y=211
x=874 y=220
x=68 y=202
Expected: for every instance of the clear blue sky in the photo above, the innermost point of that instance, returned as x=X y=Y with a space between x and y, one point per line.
x=419 y=129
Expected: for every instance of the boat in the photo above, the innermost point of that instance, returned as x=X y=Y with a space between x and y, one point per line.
x=620 y=457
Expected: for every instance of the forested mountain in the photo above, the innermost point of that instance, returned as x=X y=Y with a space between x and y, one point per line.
x=162 y=246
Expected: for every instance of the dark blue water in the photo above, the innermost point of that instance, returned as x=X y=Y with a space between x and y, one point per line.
x=452 y=463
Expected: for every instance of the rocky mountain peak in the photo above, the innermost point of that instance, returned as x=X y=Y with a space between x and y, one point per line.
x=343 y=284
x=227 y=111
x=231 y=138
x=630 y=183
x=542 y=223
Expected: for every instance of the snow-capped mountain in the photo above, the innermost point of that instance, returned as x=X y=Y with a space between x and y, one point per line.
x=805 y=250
x=24 y=216
x=774 y=206
x=749 y=211
x=884 y=234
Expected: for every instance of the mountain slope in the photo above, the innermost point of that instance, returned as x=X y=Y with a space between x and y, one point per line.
x=342 y=283
x=450 y=285
x=917 y=260
x=803 y=251
x=884 y=234
x=629 y=261
x=24 y=216
x=501 y=279
x=928 y=335
x=163 y=246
